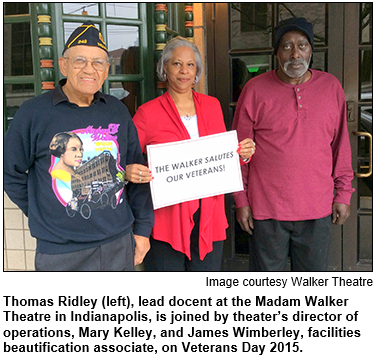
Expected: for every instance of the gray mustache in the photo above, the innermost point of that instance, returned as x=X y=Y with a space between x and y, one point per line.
x=297 y=61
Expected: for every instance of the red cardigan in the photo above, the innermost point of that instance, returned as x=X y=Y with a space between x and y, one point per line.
x=158 y=122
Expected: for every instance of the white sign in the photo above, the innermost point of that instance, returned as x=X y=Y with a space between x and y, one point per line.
x=192 y=169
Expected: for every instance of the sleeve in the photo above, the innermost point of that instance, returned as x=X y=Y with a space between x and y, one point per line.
x=243 y=125
x=219 y=123
x=139 y=121
x=342 y=170
x=18 y=159
x=139 y=196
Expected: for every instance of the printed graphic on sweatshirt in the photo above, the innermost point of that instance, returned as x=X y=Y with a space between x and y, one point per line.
x=85 y=169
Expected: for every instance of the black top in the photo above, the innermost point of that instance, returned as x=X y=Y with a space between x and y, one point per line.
x=73 y=212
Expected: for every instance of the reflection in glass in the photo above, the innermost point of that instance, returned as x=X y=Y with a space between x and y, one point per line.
x=365 y=238
x=81 y=8
x=14 y=99
x=366 y=74
x=124 y=10
x=250 y=25
x=366 y=23
x=17 y=50
x=122 y=37
x=128 y=93
x=246 y=67
x=366 y=118
x=313 y=12
x=365 y=184
x=18 y=59
x=69 y=27
x=123 y=47
x=319 y=61
x=16 y=8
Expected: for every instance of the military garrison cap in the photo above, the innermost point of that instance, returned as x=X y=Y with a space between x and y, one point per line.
x=86 y=35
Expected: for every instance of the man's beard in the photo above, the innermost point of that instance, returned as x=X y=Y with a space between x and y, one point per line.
x=296 y=73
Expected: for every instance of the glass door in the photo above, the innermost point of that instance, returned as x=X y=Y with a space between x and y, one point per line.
x=240 y=47
x=357 y=233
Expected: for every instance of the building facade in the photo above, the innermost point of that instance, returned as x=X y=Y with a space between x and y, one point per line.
x=235 y=40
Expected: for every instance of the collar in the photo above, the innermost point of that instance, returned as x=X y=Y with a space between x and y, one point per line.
x=290 y=85
x=170 y=107
x=58 y=95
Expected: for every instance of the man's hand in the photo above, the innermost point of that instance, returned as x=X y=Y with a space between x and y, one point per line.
x=245 y=219
x=340 y=213
x=142 y=247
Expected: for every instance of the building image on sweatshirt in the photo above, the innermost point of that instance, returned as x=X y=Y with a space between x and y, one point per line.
x=85 y=169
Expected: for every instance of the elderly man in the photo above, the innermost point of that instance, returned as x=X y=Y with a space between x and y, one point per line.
x=67 y=150
x=297 y=118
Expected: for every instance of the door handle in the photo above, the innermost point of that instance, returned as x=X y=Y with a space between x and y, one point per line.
x=369 y=136
x=350 y=111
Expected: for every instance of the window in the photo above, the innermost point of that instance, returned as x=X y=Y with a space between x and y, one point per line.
x=18 y=58
x=366 y=12
x=16 y=8
x=124 y=28
x=254 y=16
x=81 y=8
x=250 y=25
x=21 y=63
x=122 y=10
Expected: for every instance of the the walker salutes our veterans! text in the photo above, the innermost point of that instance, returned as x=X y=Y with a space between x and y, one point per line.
x=195 y=168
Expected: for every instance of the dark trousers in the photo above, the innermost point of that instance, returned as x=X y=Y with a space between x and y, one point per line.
x=306 y=242
x=114 y=256
x=162 y=257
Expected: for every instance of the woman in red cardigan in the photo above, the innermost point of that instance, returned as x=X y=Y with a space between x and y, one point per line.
x=187 y=236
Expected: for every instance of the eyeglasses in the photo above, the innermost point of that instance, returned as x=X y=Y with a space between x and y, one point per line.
x=81 y=62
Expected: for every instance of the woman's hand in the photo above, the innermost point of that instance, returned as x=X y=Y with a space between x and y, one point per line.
x=246 y=148
x=138 y=173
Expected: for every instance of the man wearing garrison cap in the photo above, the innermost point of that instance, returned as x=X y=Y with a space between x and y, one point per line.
x=299 y=181
x=65 y=168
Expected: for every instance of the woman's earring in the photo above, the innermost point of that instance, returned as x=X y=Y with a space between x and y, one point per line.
x=164 y=76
